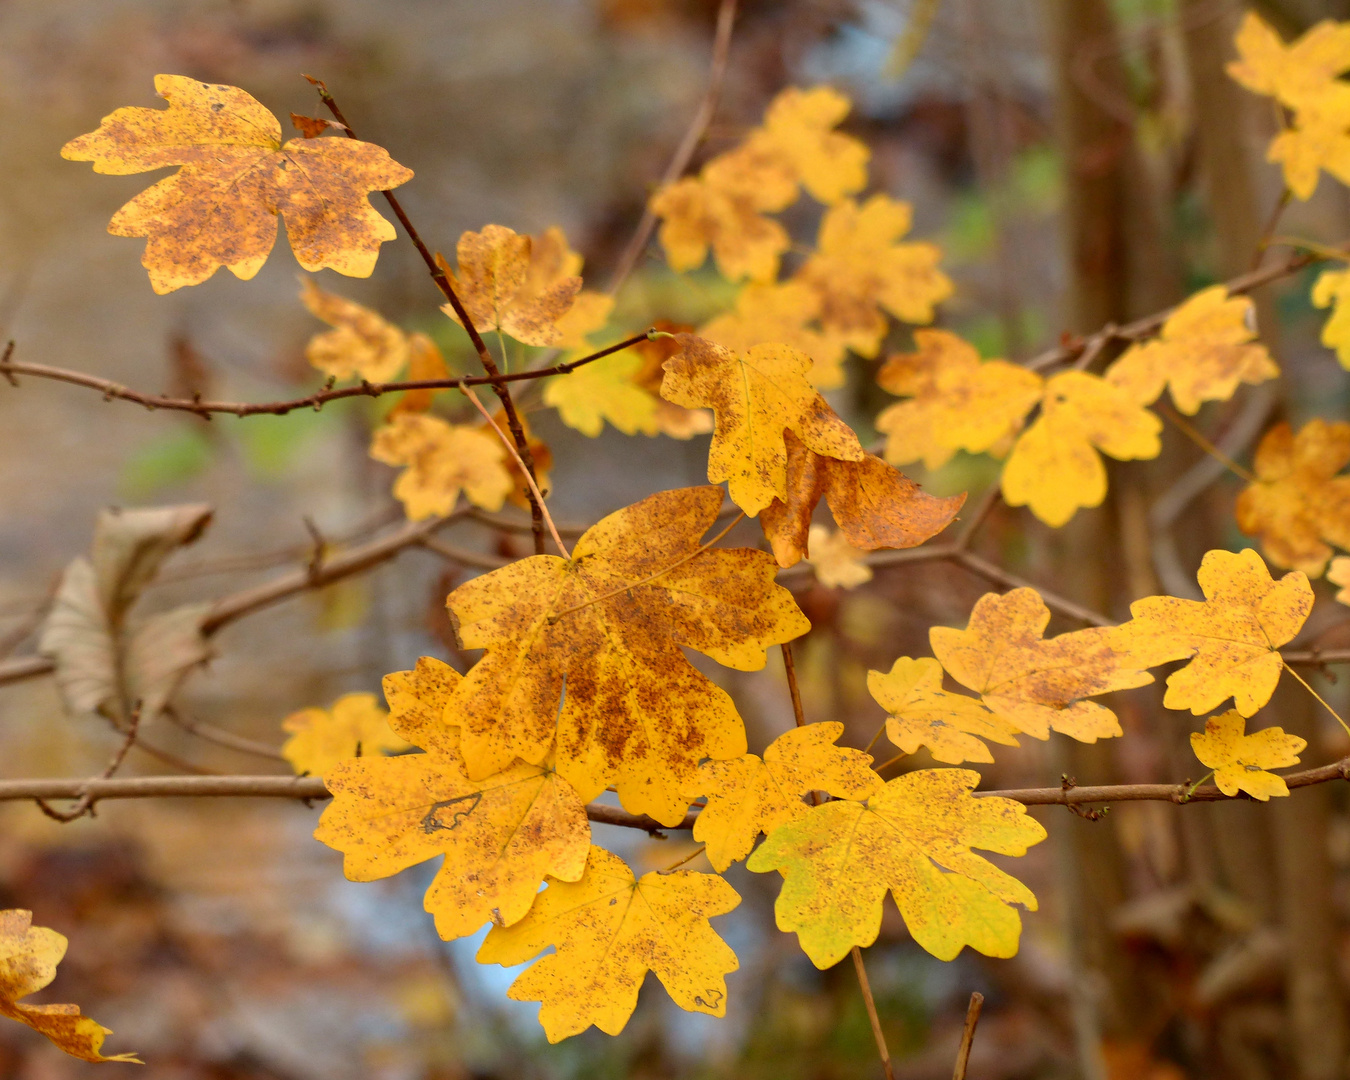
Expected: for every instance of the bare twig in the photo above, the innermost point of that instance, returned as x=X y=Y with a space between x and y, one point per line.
x=1059 y=604
x=463 y=556
x=968 y=1036
x=698 y=127
x=790 y=667
x=872 y=1016
x=116 y=391
x=85 y=803
x=1268 y=232
x=221 y=737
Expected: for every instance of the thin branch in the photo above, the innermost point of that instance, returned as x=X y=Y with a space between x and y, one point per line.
x=872 y=1016
x=1198 y=437
x=463 y=556
x=85 y=803
x=112 y=390
x=1268 y=232
x=984 y=568
x=992 y=496
x=212 y=734
x=698 y=127
x=968 y=1036
x=794 y=691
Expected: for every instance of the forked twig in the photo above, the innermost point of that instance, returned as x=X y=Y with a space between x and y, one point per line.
x=85 y=803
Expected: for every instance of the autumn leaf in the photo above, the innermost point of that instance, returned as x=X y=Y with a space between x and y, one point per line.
x=442 y=460
x=722 y=210
x=1298 y=505
x=836 y=562
x=354 y=727
x=585 y=655
x=1333 y=290
x=237 y=177
x=1231 y=638
x=425 y=363
x=1204 y=350
x=748 y=795
x=28 y=958
x=799 y=127
x=588 y=314
x=778 y=313
x=913 y=838
x=959 y=402
x=755 y=398
x=672 y=420
x=874 y=505
x=1338 y=573
x=922 y=713
x=510 y=283
x=1317 y=141
x=361 y=342
x=500 y=835
x=604 y=390
x=860 y=269
x=1240 y=761
x=609 y=929
x=1054 y=468
x=1038 y=684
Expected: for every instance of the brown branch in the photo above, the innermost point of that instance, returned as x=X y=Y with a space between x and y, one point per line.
x=698 y=127
x=312 y=787
x=868 y=1000
x=212 y=734
x=112 y=390
x=84 y=804
x=484 y=356
x=976 y=564
x=968 y=1036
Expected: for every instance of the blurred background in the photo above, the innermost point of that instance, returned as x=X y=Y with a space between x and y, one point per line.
x=1079 y=162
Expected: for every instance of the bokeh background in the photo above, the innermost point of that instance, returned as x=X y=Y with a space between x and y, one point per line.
x=1079 y=161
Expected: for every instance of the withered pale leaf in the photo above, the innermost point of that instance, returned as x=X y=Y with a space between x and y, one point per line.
x=609 y=929
x=236 y=178
x=28 y=958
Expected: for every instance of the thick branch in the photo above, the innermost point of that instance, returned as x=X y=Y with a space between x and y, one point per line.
x=312 y=787
x=112 y=390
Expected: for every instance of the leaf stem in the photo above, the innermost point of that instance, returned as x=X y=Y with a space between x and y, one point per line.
x=1308 y=686
x=688 y=858
x=1190 y=791
x=1193 y=433
x=968 y=1035
x=872 y=1016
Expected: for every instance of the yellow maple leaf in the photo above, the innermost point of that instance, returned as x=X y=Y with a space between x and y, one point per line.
x=515 y=284
x=1054 y=468
x=609 y=929
x=425 y=363
x=1295 y=73
x=362 y=342
x=1204 y=350
x=755 y=397
x=836 y=562
x=1319 y=140
x=778 y=313
x=500 y=835
x=922 y=713
x=874 y=505
x=1035 y=683
x=1298 y=504
x=1338 y=573
x=722 y=209
x=860 y=269
x=1232 y=637
x=589 y=313
x=355 y=726
x=1333 y=289
x=672 y=420
x=959 y=402
x=604 y=390
x=799 y=129
x=913 y=838
x=584 y=656
x=28 y=958
x=442 y=460
x=237 y=177
x=749 y=795
x=1240 y=761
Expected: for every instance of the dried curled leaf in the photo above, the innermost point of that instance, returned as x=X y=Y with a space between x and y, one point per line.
x=237 y=177
x=1298 y=504
x=755 y=398
x=442 y=460
x=515 y=284
x=1205 y=349
x=1054 y=468
x=1333 y=290
x=874 y=505
x=1240 y=761
x=584 y=656
x=913 y=839
x=609 y=930
x=860 y=269
x=748 y=795
x=922 y=713
x=778 y=313
x=361 y=342
x=500 y=835
x=1037 y=684
x=28 y=958
x=959 y=402
x=356 y=726
x=1232 y=638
